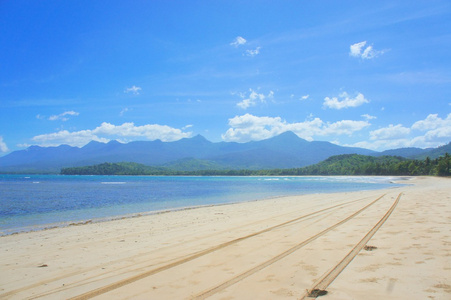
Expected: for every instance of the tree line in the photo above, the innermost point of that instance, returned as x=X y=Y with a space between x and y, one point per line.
x=347 y=164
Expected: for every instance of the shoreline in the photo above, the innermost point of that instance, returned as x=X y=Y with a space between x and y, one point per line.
x=274 y=248
x=49 y=226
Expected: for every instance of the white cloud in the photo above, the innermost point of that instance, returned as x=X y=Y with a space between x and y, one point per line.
x=345 y=101
x=106 y=131
x=368 y=117
x=430 y=132
x=356 y=49
x=390 y=133
x=271 y=95
x=253 y=99
x=245 y=103
x=149 y=131
x=305 y=97
x=238 y=41
x=134 y=90
x=253 y=52
x=252 y=128
x=432 y=121
x=383 y=144
x=346 y=127
x=359 y=50
x=369 y=53
x=3 y=147
x=77 y=138
x=123 y=111
x=435 y=137
x=62 y=116
x=437 y=130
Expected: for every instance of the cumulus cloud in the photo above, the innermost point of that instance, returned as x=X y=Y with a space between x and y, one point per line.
x=238 y=41
x=63 y=116
x=368 y=117
x=345 y=101
x=253 y=98
x=436 y=129
x=76 y=138
x=359 y=50
x=254 y=52
x=356 y=49
x=107 y=131
x=344 y=127
x=3 y=147
x=435 y=137
x=390 y=133
x=433 y=131
x=305 y=97
x=432 y=121
x=149 y=131
x=252 y=128
x=133 y=90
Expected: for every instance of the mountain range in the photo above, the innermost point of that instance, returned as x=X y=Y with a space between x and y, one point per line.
x=286 y=150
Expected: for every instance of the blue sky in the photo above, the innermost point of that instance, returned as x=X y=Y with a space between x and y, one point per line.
x=373 y=74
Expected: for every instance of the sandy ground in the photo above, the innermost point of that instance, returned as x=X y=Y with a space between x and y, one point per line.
x=270 y=249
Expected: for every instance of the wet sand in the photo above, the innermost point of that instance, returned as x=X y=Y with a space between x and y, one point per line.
x=270 y=249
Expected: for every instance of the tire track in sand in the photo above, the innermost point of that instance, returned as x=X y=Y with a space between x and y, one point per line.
x=121 y=283
x=181 y=260
x=320 y=287
x=276 y=258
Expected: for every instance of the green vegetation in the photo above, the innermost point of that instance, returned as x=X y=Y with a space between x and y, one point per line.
x=348 y=164
x=123 y=168
x=354 y=164
x=193 y=164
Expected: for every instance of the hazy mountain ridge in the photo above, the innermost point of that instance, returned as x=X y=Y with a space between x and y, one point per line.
x=284 y=151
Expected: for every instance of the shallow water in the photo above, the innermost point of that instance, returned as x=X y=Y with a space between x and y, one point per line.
x=32 y=202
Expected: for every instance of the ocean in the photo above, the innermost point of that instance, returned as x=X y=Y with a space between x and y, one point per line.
x=34 y=202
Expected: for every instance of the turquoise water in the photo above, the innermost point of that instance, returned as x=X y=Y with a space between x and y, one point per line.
x=32 y=202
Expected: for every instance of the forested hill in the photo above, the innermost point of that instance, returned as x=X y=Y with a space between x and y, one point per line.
x=122 y=168
x=384 y=165
x=347 y=164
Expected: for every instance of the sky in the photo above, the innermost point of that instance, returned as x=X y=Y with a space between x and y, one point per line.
x=371 y=74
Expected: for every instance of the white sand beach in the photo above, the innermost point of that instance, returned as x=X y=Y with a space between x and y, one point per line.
x=270 y=249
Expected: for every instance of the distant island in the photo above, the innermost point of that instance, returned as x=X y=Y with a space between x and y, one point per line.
x=346 y=164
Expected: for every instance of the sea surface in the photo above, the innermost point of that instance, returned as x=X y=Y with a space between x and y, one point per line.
x=34 y=202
